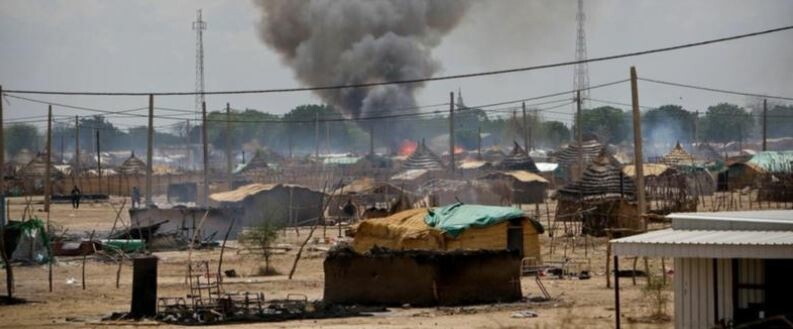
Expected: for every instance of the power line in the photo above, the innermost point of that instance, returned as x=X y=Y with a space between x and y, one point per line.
x=412 y=81
x=723 y=91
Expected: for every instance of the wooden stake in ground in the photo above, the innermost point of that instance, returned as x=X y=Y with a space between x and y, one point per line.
x=48 y=189
x=85 y=256
x=323 y=208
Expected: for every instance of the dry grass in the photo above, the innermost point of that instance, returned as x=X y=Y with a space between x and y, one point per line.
x=578 y=304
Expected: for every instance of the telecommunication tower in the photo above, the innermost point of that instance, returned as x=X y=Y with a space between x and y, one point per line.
x=199 y=26
x=581 y=70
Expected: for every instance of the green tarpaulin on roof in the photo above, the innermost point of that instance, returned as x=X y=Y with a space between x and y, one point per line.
x=456 y=218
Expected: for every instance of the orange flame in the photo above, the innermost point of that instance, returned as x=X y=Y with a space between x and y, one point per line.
x=458 y=150
x=407 y=147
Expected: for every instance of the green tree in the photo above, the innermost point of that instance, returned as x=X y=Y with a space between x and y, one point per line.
x=726 y=122
x=668 y=123
x=609 y=124
x=261 y=238
x=554 y=133
x=21 y=136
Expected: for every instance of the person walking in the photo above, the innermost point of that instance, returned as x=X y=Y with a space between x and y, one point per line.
x=135 y=197
x=76 y=194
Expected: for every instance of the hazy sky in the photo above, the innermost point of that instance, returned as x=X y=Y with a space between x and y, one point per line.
x=114 y=45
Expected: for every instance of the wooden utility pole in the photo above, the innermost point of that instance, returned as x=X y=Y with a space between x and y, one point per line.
x=578 y=135
x=525 y=128
x=531 y=127
x=229 y=169
x=205 y=199
x=316 y=135
x=637 y=147
x=98 y=163
x=765 y=127
x=76 y=146
x=187 y=144
x=48 y=189
x=451 y=131
x=2 y=161
x=150 y=151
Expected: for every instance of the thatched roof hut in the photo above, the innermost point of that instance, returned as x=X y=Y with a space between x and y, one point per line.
x=476 y=228
x=678 y=156
x=568 y=156
x=258 y=163
x=370 y=198
x=132 y=166
x=602 y=179
x=38 y=167
x=518 y=159
x=423 y=158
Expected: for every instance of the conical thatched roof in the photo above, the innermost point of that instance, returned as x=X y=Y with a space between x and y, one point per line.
x=257 y=163
x=423 y=158
x=678 y=156
x=602 y=178
x=569 y=155
x=38 y=166
x=518 y=159
x=132 y=166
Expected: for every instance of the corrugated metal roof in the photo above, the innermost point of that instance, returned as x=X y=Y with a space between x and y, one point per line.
x=707 y=244
x=702 y=237
x=759 y=220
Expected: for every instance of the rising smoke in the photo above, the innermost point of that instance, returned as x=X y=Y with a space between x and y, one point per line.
x=340 y=42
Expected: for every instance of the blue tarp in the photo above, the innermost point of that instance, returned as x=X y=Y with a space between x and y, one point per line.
x=456 y=218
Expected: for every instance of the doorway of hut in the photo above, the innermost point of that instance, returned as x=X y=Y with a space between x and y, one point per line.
x=515 y=235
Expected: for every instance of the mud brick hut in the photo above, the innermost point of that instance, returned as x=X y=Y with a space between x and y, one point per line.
x=279 y=204
x=518 y=159
x=370 y=199
x=567 y=158
x=522 y=187
x=458 y=254
x=602 y=199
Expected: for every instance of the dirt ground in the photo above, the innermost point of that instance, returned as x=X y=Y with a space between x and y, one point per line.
x=576 y=304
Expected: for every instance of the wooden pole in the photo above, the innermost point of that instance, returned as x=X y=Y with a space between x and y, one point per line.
x=48 y=188
x=205 y=199
x=150 y=152
x=616 y=292
x=765 y=126
x=2 y=161
x=579 y=136
x=5 y=256
x=696 y=127
x=98 y=163
x=76 y=146
x=229 y=169
x=525 y=129
x=637 y=147
x=451 y=132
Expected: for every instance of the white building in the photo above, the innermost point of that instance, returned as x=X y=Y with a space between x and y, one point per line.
x=730 y=267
